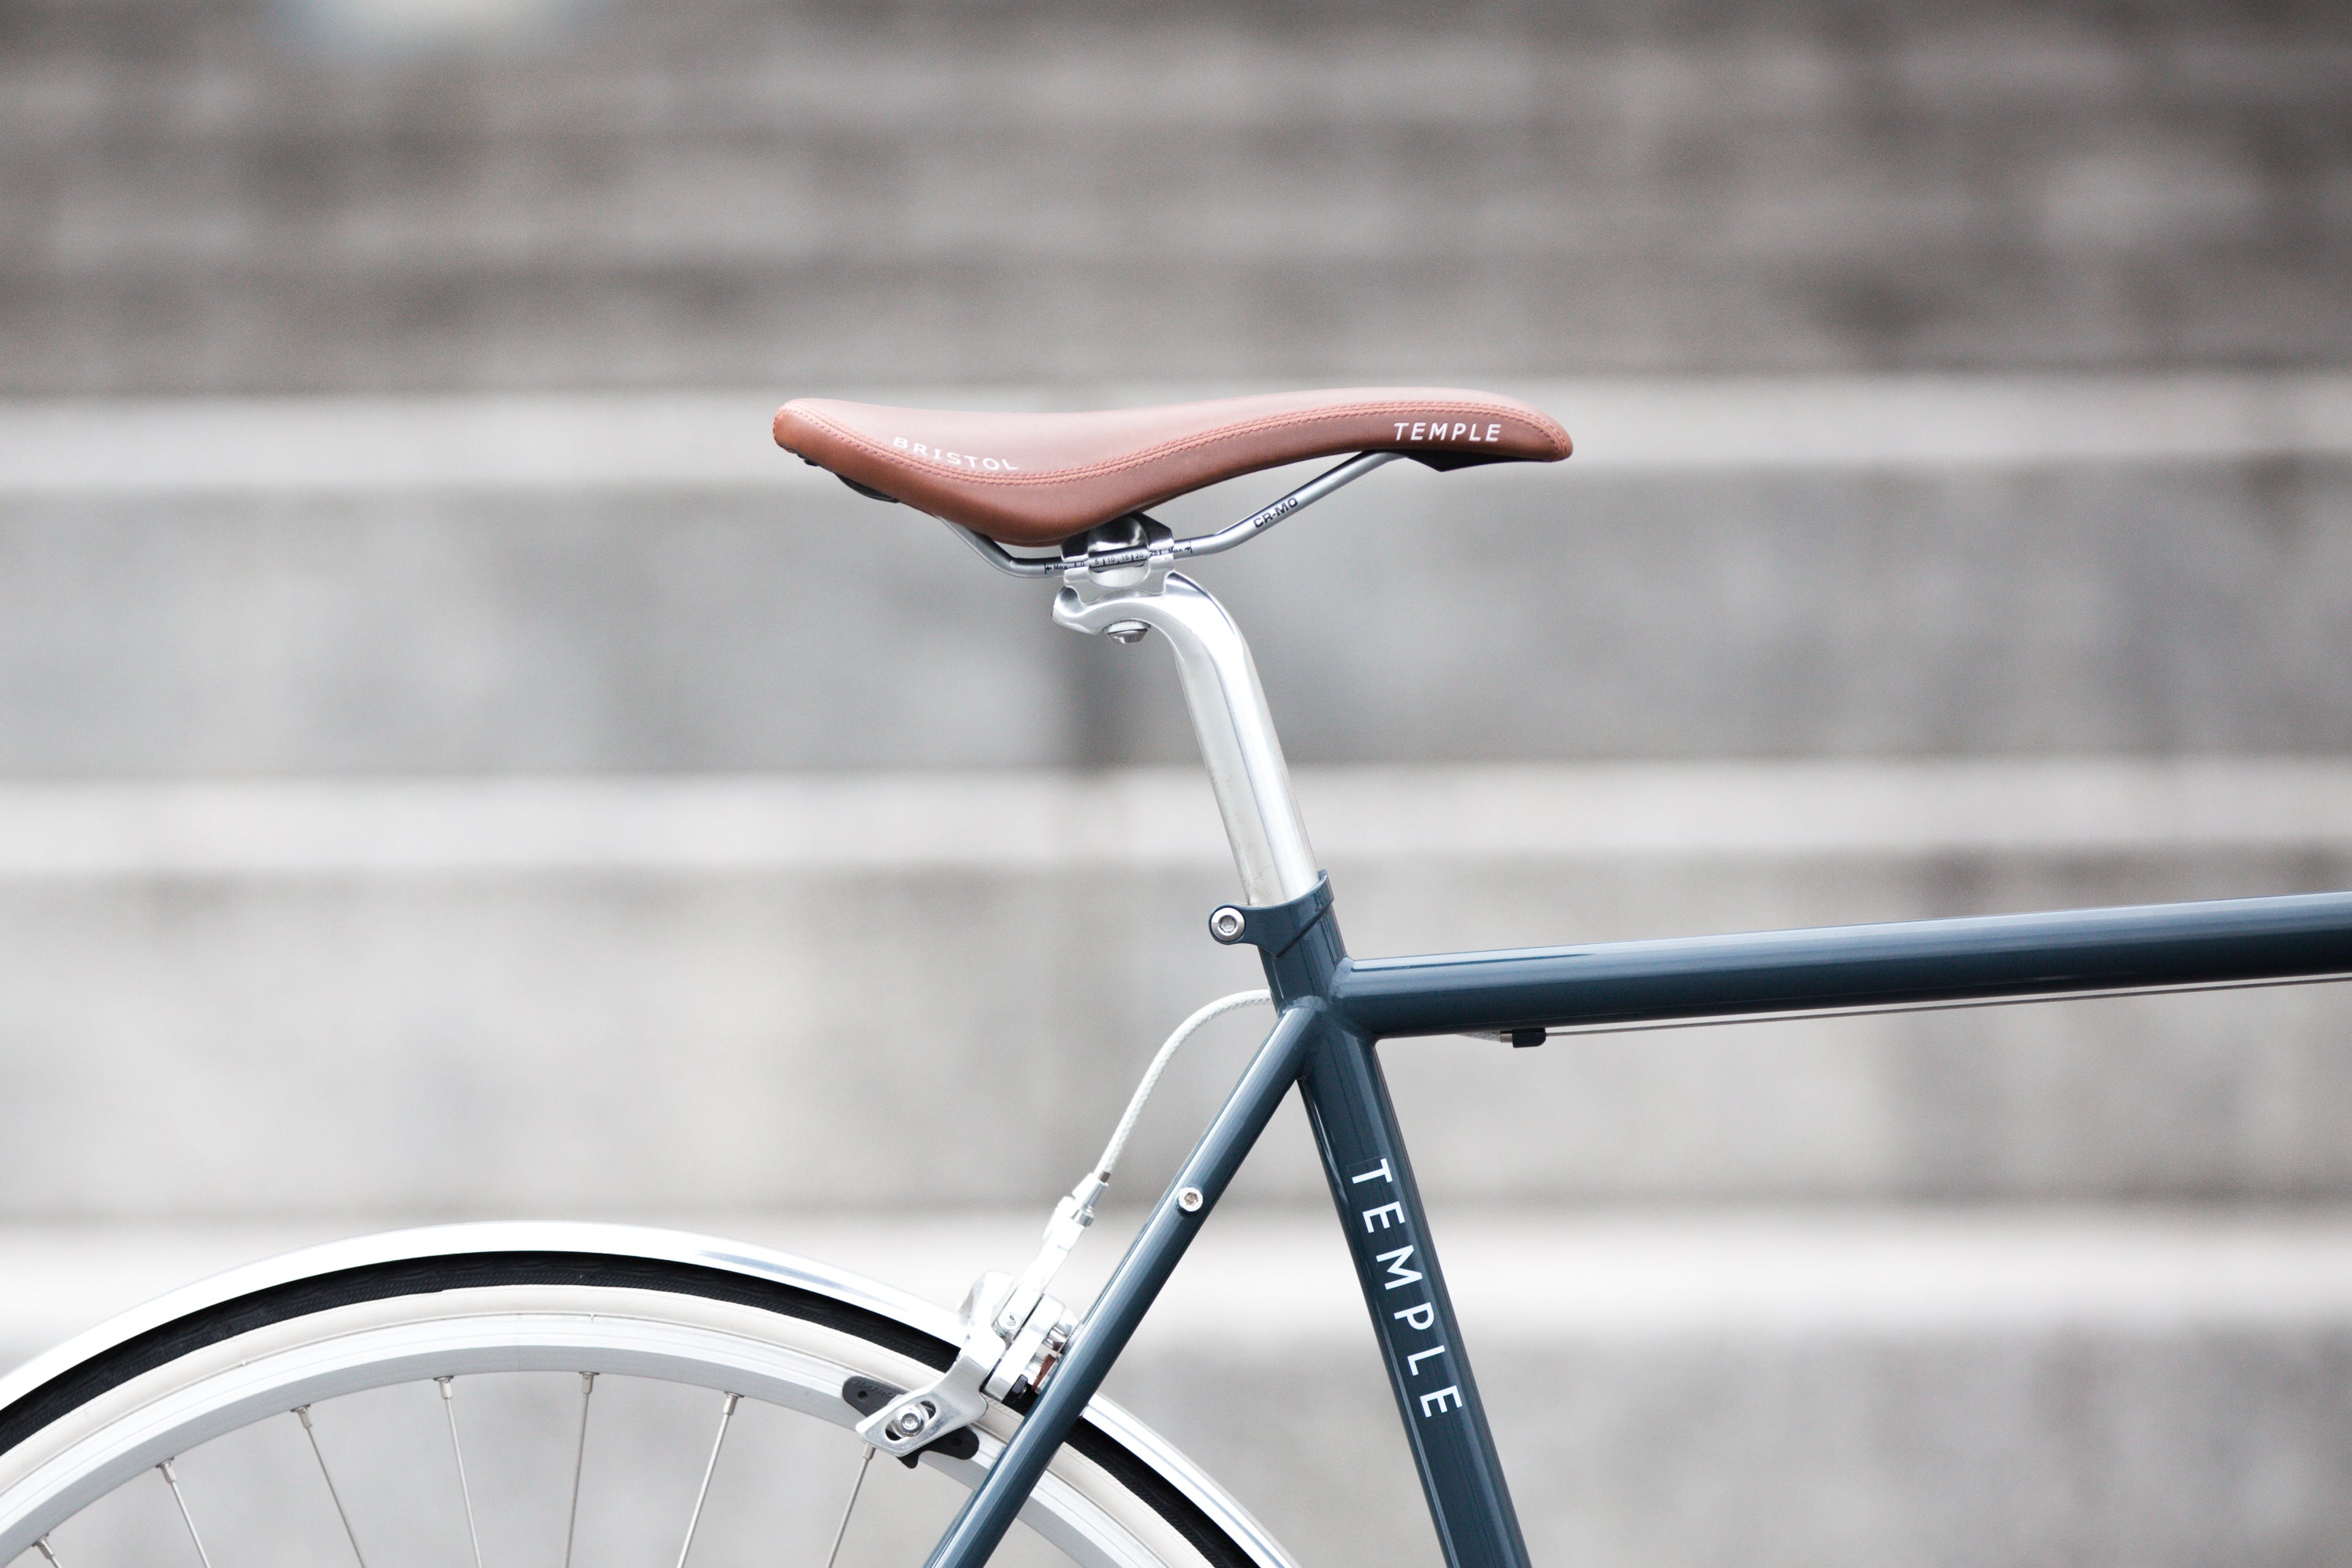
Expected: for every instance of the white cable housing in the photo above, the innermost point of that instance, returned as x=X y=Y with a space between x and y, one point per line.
x=1184 y=1031
x=1076 y=1211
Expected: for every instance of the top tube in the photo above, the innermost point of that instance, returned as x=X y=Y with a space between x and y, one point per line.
x=2002 y=958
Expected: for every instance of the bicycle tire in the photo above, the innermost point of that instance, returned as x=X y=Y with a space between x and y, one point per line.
x=453 y=1303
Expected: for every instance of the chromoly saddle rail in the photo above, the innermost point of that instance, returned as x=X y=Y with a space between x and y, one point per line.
x=1169 y=551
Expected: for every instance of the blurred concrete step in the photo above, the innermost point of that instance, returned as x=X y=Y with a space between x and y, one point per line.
x=1972 y=1387
x=1774 y=566
x=472 y=996
x=649 y=197
x=1413 y=321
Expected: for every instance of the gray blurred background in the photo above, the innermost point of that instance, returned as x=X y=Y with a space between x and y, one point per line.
x=452 y=765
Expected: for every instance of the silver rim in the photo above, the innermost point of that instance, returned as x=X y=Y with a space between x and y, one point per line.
x=451 y=1342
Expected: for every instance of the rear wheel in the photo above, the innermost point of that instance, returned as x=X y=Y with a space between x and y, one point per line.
x=534 y=1410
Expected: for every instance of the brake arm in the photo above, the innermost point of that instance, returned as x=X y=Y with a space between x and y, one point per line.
x=990 y=1364
x=956 y=1397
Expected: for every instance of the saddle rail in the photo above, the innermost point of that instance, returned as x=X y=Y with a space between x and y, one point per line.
x=1106 y=554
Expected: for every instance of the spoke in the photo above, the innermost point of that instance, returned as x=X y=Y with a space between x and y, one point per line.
x=43 y=1545
x=579 y=1457
x=847 y=1509
x=172 y=1480
x=449 y=1408
x=726 y=1414
x=302 y=1412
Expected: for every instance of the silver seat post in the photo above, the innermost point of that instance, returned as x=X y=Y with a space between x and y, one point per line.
x=1228 y=707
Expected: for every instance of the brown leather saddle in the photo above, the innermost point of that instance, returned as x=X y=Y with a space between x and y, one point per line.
x=1038 y=479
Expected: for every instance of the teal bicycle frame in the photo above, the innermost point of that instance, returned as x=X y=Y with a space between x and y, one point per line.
x=1335 y=1011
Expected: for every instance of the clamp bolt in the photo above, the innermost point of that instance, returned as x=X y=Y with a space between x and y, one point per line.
x=1227 y=924
x=911 y=1421
x=1189 y=1199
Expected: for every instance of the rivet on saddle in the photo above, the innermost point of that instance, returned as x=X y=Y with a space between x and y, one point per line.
x=1039 y=479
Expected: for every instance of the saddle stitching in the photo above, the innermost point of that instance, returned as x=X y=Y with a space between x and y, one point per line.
x=1168 y=448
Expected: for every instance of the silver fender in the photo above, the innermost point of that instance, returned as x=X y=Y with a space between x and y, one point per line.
x=625 y=1241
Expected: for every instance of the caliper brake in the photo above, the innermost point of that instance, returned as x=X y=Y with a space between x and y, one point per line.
x=994 y=1363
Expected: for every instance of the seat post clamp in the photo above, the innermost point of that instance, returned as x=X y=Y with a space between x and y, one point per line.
x=1127 y=555
x=1271 y=929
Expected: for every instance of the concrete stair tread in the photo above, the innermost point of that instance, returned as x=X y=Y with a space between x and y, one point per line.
x=606 y=971
x=1027 y=820
x=705 y=438
x=1519 y=1275
x=1971 y=1386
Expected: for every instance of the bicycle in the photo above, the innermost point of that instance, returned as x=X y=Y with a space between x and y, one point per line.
x=306 y=1377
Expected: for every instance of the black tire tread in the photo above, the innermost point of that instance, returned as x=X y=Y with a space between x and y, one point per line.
x=421 y=1275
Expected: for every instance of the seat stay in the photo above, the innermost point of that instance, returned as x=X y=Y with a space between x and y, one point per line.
x=1167 y=551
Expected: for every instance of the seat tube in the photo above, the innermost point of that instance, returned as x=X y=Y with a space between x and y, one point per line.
x=1412 y=1316
x=1347 y=1098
